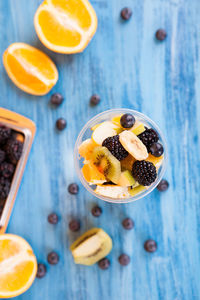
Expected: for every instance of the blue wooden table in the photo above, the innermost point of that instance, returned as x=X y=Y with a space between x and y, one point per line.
x=127 y=67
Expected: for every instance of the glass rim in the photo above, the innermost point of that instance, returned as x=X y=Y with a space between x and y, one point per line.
x=89 y=125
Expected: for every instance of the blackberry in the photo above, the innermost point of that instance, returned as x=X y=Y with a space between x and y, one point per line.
x=2 y=156
x=2 y=203
x=144 y=172
x=115 y=147
x=7 y=169
x=13 y=150
x=4 y=188
x=148 y=137
x=5 y=133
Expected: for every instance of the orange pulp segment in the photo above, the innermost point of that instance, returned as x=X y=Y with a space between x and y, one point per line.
x=30 y=69
x=65 y=26
x=18 y=266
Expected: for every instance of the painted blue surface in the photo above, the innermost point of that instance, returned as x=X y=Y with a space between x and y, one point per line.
x=127 y=68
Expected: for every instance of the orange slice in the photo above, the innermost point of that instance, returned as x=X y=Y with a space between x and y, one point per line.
x=18 y=265
x=155 y=160
x=30 y=69
x=65 y=26
x=86 y=149
x=92 y=174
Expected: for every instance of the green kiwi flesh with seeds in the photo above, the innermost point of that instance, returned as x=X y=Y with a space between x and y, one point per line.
x=107 y=164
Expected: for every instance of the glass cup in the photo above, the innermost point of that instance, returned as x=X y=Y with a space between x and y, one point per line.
x=86 y=133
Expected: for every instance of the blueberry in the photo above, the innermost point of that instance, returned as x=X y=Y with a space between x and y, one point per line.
x=127 y=121
x=163 y=185
x=156 y=149
x=74 y=225
x=94 y=100
x=128 y=223
x=161 y=34
x=56 y=99
x=53 y=218
x=73 y=188
x=104 y=263
x=53 y=258
x=96 y=211
x=41 y=271
x=126 y=13
x=124 y=259
x=150 y=246
x=61 y=124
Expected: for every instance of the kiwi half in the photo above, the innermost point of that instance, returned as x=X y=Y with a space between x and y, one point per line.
x=107 y=164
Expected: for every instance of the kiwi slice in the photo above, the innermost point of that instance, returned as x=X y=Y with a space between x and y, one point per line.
x=107 y=164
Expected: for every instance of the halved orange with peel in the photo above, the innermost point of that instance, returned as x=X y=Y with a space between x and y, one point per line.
x=65 y=26
x=18 y=265
x=30 y=69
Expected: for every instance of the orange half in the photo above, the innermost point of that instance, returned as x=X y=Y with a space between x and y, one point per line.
x=65 y=26
x=30 y=69
x=18 y=265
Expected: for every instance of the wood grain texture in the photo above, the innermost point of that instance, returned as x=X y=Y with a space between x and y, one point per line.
x=127 y=67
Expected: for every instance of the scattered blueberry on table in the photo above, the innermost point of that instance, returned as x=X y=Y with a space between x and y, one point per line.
x=128 y=223
x=163 y=185
x=53 y=218
x=74 y=225
x=53 y=258
x=41 y=271
x=61 y=124
x=126 y=13
x=124 y=259
x=96 y=211
x=161 y=34
x=104 y=263
x=150 y=246
x=73 y=188
x=94 y=100
x=56 y=99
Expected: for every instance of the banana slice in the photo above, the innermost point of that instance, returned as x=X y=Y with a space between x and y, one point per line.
x=104 y=130
x=133 y=145
x=113 y=191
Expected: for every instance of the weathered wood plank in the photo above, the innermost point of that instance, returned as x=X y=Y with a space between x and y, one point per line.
x=128 y=68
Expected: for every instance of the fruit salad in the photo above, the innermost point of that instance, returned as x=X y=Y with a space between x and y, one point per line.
x=122 y=157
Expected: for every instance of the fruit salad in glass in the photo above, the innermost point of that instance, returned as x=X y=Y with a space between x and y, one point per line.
x=120 y=155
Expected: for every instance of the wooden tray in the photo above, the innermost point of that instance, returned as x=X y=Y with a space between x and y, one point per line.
x=26 y=127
